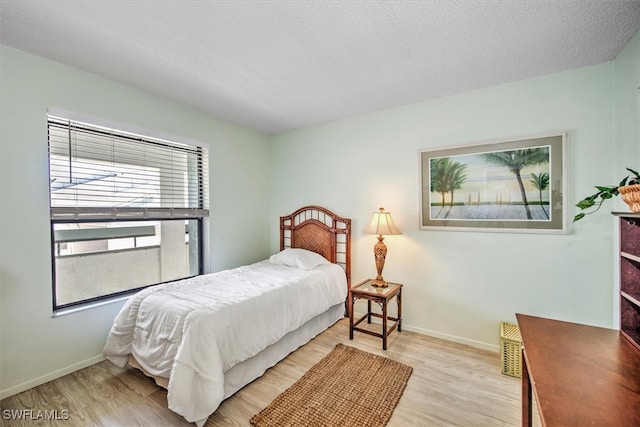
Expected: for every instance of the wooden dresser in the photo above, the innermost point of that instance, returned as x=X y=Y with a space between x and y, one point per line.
x=584 y=375
x=580 y=375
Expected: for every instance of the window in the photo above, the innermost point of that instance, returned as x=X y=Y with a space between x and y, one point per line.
x=126 y=211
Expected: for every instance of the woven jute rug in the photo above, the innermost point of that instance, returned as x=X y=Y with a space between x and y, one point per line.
x=348 y=387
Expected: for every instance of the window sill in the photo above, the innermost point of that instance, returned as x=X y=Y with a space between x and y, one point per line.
x=88 y=306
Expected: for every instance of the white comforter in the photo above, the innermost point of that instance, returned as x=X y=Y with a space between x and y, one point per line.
x=194 y=330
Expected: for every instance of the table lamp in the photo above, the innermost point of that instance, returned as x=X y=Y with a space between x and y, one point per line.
x=382 y=225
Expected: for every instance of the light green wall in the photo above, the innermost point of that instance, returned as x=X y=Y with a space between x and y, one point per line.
x=34 y=346
x=626 y=111
x=626 y=88
x=460 y=285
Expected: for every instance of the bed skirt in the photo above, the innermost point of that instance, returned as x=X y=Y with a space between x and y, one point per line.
x=247 y=371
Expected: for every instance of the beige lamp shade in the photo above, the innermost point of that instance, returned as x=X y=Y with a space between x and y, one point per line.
x=382 y=225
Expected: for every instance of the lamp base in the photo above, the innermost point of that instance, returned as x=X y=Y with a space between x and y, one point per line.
x=379 y=283
x=380 y=253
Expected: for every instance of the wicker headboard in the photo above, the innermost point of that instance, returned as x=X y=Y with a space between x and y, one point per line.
x=319 y=230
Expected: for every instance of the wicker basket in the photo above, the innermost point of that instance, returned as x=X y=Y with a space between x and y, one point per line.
x=631 y=196
x=511 y=349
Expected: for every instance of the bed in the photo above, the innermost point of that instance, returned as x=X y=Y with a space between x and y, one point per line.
x=206 y=337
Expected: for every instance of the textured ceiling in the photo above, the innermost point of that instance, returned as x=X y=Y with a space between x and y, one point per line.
x=279 y=65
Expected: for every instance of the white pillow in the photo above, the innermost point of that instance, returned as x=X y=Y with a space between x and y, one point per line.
x=301 y=258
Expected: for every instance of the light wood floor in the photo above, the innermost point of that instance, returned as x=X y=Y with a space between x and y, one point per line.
x=451 y=385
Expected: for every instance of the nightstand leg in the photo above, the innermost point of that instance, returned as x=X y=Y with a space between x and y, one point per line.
x=369 y=311
x=399 y=300
x=351 y=304
x=384 y=325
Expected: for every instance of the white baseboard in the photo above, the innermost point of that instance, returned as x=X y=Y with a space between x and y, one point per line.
x=49 y=377
x=460 y=340
x=473 y=343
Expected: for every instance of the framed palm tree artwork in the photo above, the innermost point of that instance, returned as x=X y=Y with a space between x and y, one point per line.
x=515 y=185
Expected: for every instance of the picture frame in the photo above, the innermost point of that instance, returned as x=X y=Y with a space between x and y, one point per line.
x=516 y=185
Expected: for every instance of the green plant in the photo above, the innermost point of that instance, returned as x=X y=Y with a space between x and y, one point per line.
x=605 y=192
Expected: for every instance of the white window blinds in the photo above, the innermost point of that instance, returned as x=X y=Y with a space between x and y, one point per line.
x=99 y=173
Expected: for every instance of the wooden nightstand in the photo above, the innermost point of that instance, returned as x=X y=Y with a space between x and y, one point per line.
x=365 y=290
